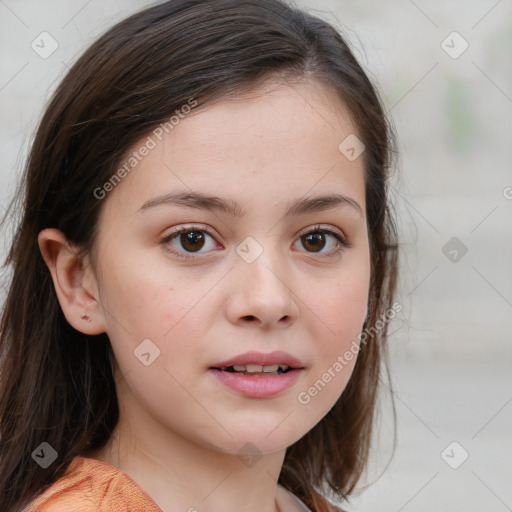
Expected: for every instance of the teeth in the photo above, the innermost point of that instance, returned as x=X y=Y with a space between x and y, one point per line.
x=256 y=368
x=253 y=368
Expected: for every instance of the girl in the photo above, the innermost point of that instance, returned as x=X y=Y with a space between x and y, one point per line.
x=205 y=256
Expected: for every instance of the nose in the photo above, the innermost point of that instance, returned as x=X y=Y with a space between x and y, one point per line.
x=262 y=292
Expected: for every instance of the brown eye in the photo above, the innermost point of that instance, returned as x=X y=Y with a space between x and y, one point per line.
x=189 y=241
x=192 y=240
x=314 y=241
x=318 y=239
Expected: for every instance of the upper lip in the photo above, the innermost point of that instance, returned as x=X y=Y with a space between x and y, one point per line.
x=261 y=358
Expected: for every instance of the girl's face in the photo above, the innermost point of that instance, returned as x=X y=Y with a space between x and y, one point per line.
x=259 y=268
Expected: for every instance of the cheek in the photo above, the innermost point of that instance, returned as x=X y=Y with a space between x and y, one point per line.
x=151 y=316
x=337 y=314
x=143 y=296
x=340 y=307
x=164 y=394
x=335 y=358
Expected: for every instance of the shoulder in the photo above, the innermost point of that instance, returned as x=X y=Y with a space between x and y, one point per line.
x=93 y=486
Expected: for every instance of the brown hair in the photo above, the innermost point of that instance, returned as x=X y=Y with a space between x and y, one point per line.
x=56 y=384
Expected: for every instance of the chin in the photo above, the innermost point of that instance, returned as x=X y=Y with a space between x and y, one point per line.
x=257 y=438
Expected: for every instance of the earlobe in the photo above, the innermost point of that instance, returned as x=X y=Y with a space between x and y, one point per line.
x=79 y=305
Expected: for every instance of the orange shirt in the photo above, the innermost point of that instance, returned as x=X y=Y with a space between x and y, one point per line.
x=90 y=485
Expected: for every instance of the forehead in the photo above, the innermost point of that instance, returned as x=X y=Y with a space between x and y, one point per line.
x=279 y=113
x=275 y=140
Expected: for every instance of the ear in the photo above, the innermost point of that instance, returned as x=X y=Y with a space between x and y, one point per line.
x=75 y=282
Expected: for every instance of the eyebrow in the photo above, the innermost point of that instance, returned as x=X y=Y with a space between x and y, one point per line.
x=300 y=206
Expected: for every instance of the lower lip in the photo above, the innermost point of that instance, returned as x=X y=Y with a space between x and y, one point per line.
x=258 y=386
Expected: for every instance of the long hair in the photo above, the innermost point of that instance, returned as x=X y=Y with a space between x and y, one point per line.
x=56 y=384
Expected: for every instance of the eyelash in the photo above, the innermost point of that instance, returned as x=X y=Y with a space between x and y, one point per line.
x=343 y=243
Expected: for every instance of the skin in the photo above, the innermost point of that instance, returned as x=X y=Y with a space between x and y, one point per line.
x=180 y=430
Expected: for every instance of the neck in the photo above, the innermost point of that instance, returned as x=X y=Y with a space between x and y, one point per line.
x=179 y=474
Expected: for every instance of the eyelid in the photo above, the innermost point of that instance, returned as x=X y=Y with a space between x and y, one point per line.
x=183 y=229
x=190 y=227
x=326 y=229
x=331 y=230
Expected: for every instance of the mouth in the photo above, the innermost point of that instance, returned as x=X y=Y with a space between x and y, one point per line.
x=259 y=375
x=256 y=369
x=260 y=363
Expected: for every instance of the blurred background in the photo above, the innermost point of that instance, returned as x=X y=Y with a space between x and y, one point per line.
x=444 y=71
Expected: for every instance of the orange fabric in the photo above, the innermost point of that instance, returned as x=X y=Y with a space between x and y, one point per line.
x=89 y=485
